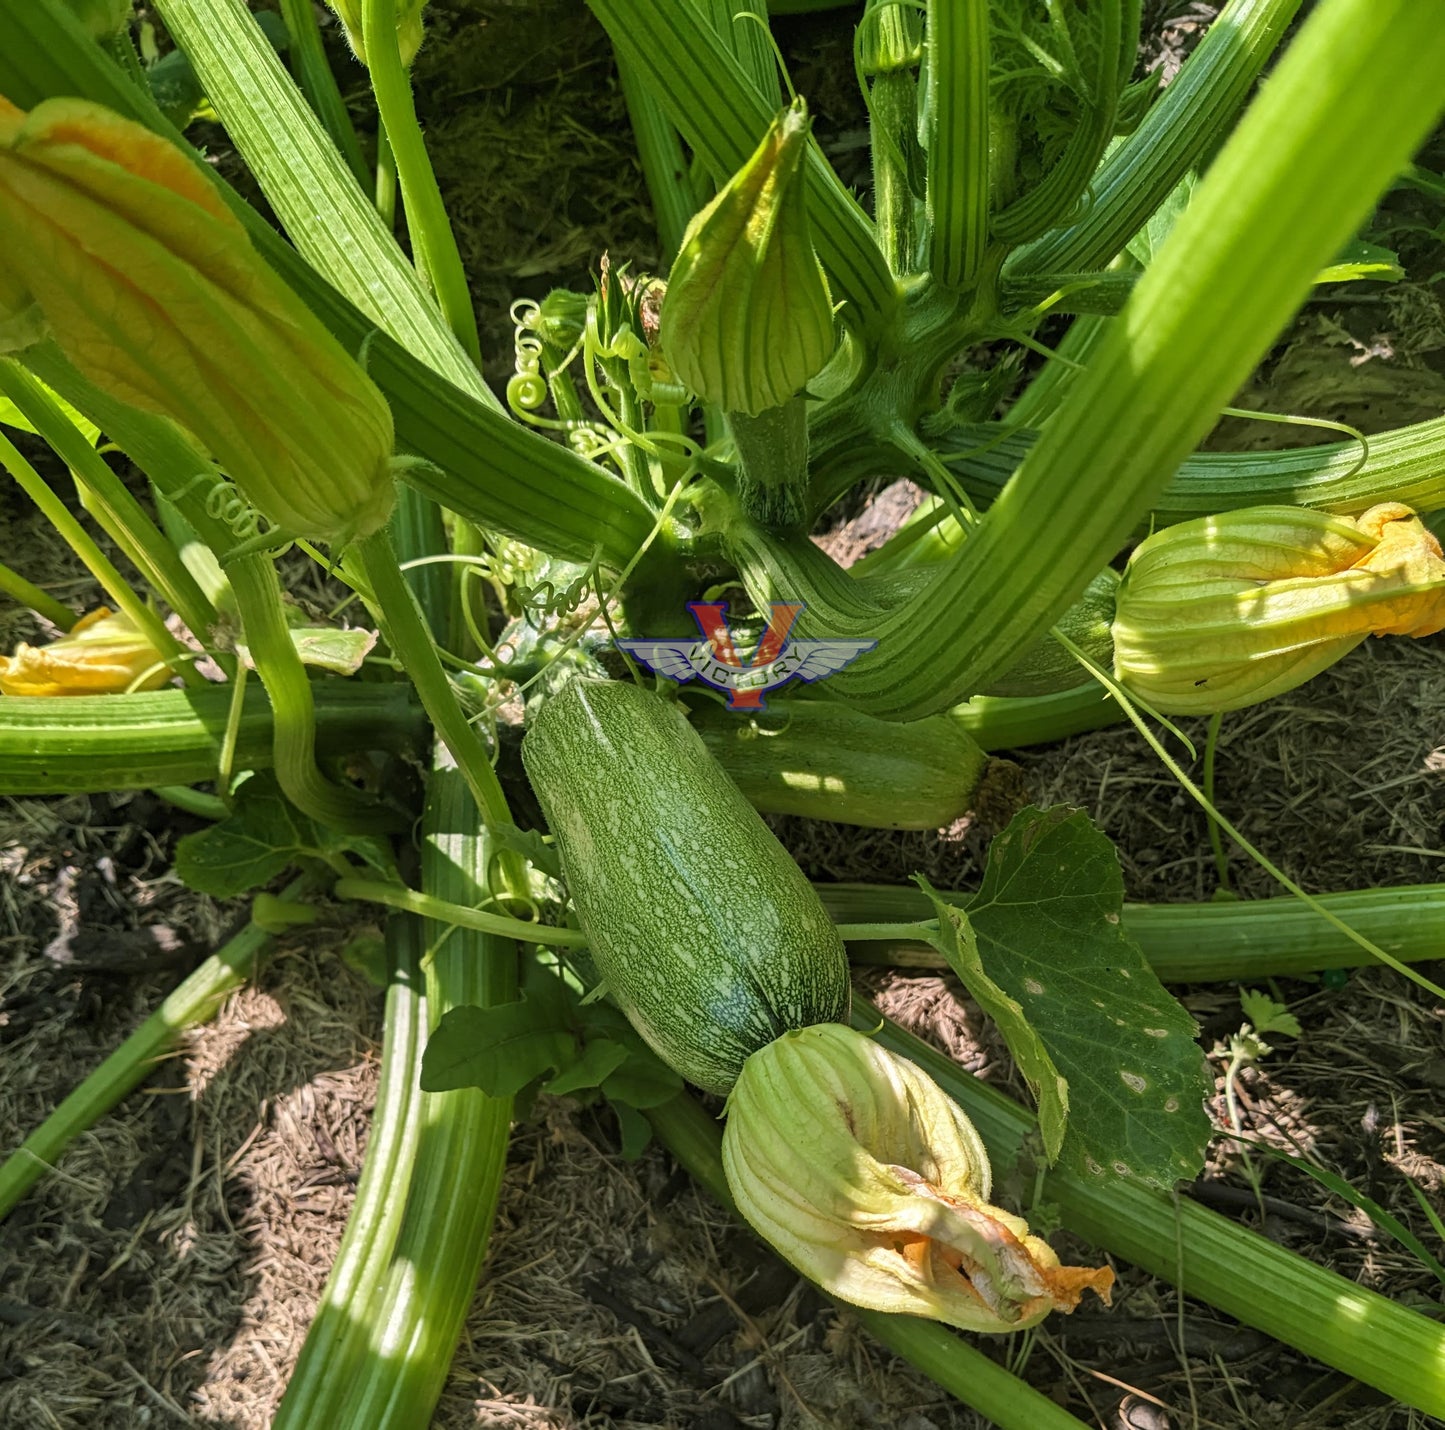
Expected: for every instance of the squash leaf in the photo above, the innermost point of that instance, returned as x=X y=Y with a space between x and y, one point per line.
x=955 y=940
x=499 y=1049
x=1049 y=935
x=262 y=836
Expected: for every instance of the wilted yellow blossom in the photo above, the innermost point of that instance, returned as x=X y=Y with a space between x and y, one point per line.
x=746 y=320
x=1230 y=610
x=151 y=287
x=864 y=1175
x=103 y=654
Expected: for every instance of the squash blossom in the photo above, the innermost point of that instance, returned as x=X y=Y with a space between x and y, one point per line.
x=746 y=320
x=867 y=1177
x=102 y=654
x=408 y=27
x=151 y=287
x=1229 y=610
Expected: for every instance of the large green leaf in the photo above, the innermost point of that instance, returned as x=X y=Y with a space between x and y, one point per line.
x=1047 y=921
x=263 y=835
x=956 y=941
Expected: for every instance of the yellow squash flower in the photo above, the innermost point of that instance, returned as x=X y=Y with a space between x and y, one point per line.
x=1229 y=610
x=866 y=1176
x=103 y=654
x=151 y=287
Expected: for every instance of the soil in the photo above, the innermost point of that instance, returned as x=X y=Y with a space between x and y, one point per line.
x=166 y=1272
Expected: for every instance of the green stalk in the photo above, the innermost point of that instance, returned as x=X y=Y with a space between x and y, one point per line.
x=745 y=39
x=498 y=473
x=1001 y=722
x=722 y=115
x=412 y=643
x=195 y=1001
x=1060 y=189
x=1290 y=187
x=1041 y=398
x=694 y=1137
x=192 y=801
x=331 y=221
x=27 y=593
x=106 y=498
x=335 y=1347
x=415 y=1320
x=1406 y=464
x=1180 y=133
x=434 y=243
x=318 y=84
x=1398 y=1351
x=258 y=597
x=145 y=620
x=1186 y=943
x=958 y=192
x=893 y=111
x=398 y=896
x=94 y=743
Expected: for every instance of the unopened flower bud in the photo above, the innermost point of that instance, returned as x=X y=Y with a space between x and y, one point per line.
x=103 y=18
x=103 y=654
x=409 y=32
x=866 y=1176
x=746 y=320
x=151 y=287
x=1229 y=610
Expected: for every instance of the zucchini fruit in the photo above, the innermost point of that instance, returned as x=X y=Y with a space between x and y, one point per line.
x=704 y=930
x=829 y=761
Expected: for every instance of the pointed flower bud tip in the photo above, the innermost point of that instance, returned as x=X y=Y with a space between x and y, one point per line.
x=1229 y=610
x=866 y=1176
x=409 y=31
x=102 y=654
x=747 y=319
x=126 y=252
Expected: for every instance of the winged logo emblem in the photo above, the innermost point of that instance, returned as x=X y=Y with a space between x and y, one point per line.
x=714 y=658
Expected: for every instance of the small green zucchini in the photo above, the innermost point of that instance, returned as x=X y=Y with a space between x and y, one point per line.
x=704 y=930
x=824 y=760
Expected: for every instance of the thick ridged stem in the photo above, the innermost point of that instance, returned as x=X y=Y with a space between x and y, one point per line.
x=94 y=743
x=415 y=1320
x=958 y=187
x=331 y=220
x=1406 y=464
x=1192 y=943
x=318 y=84
x=1179 y=133
x=335 y=1347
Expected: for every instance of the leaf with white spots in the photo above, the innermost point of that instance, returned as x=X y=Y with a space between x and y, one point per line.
x=956 y=942
x=1047 y=921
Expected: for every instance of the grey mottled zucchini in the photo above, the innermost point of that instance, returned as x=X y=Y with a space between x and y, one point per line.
x=707 y=934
